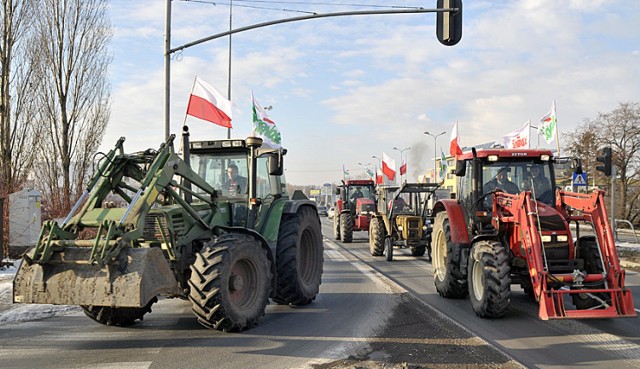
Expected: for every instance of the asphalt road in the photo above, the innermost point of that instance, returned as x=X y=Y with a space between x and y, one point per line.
x=605 y=343
x=370 y=313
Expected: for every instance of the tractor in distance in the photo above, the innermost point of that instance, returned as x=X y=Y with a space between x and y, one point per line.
x=402 y=220
x=354 y=207
x=215 y=227
x=510 y=225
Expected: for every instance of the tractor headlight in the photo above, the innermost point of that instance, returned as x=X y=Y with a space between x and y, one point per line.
x=545 y=238
x=425 y=228
x=400 y=228
x=562 y=238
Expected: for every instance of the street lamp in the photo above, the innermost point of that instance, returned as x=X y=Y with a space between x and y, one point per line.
x=435 y=151
x=401 y=151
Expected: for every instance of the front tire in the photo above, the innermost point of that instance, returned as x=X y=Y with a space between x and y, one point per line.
x=418 y=250
x=299 y=258
x=121 y=317
x=445 y=268
x=346 y=227
x=489 y=279
x=589 y=251
x=230 y=283
x=376 y=237
x=388 y=248
x=336 y=226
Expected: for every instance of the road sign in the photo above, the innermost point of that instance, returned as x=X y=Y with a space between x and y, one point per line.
x=579 y=179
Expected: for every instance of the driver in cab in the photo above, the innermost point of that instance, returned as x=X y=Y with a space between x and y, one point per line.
x=234 y=183
x=501 y=183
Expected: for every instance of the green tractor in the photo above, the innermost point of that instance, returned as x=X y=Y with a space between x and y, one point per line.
x=153 y=224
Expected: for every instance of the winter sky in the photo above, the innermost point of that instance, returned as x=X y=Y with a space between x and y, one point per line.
x=345 y=89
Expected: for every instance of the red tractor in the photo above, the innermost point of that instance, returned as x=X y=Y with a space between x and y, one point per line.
x=510 y=225
x=354 y=208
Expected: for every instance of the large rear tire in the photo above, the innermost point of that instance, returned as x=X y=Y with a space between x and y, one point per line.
x=445 y=268
x=299 y=258
x=589 y=252
x=376 y=237
x=336 y=225
x=346 y=227
x=121 y=317
x=489 y=279
x=230 y=283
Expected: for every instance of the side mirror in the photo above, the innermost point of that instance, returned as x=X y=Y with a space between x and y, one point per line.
x=337 y=190
x=276 y=165
x=461 y=168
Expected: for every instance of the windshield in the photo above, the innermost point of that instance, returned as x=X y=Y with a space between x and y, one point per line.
x=516 y=176
x=226 y=173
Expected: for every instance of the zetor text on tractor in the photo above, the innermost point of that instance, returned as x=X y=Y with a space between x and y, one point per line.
x=354 y=207
x=510 y=225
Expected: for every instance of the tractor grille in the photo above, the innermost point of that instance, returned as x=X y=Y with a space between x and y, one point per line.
x=152 y=231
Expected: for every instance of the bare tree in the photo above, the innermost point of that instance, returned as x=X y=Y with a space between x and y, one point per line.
x=619 y=129
x=17 y=129
x=74 y=98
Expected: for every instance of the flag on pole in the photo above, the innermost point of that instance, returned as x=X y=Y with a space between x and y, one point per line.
x=263 y=126
x=549 y=128
x=444 y=166
x=206 y=103
x=379 y=178
x=454 y=146
x=518 y=139
x=403 y=167
x=345 y=171
x=369 y=172
x=388 y=167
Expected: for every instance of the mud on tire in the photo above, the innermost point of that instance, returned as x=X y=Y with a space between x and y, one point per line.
x=121 y=317
x=376 y=236
x=299 y=258
x=445 y=268
x=489 y=279
x=230 y=283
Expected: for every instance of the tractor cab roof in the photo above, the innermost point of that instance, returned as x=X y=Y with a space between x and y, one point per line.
x=508 y=154
x=359 y=182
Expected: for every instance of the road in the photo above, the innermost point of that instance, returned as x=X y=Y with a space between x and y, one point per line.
x=370 y=313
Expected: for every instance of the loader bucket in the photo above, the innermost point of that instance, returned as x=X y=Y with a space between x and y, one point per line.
x=132 y=280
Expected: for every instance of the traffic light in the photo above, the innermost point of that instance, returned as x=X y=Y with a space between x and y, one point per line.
x=449 y=24
x=606 y=160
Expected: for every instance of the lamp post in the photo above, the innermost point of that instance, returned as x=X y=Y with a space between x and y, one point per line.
x=365 y=167
x=378 y=166
x=401 y=151
x=435 y=151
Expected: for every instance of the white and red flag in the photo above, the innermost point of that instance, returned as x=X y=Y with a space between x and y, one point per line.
x=379 y=178
x=388 y=167
x=208 y=104
x=454 y=146
x=518 y=139
x=403 y=167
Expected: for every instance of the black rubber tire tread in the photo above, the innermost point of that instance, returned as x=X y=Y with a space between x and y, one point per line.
x=444 y=270
x=489 y=261
x=418 y=250
x=388 y=248
x=588 y=251
x=299 y=258
x=120 y=317
x=336 y=225
x=211 y=279
x=346 y=227
x=376 y=236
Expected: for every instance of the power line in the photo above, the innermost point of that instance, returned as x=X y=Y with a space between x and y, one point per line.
x=215 y=3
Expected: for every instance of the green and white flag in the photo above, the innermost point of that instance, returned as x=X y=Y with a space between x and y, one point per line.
x=443 y=166
x=264 y=127
x=549 y=125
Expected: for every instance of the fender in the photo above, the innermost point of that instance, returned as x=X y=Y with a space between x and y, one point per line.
x=457 y=220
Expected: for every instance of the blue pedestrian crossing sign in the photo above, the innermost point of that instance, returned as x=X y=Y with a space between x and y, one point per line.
x=579 y=179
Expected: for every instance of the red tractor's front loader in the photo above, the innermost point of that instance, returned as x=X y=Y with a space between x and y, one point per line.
x=510 y=225
x=595 y=278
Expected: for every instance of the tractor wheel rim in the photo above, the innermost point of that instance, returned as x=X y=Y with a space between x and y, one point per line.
x=440 y=255
x=243 y=280
x=477 y=281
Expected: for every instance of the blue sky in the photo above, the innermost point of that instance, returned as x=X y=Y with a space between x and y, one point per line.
x=345 y=89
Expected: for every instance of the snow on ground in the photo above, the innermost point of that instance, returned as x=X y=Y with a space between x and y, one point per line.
x=12 y=313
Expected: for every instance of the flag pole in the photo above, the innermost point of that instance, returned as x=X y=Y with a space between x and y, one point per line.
x=184 y=123
x=229 y=83
x=557 y=139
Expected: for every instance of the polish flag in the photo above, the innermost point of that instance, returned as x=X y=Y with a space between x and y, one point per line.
x=388 y=167
x=379 y=178
x=208 y=104
x=403 y=167
x=454 y=146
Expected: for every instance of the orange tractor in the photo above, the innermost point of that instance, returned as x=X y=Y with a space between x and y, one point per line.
x=510 y=225
x=354 y=208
